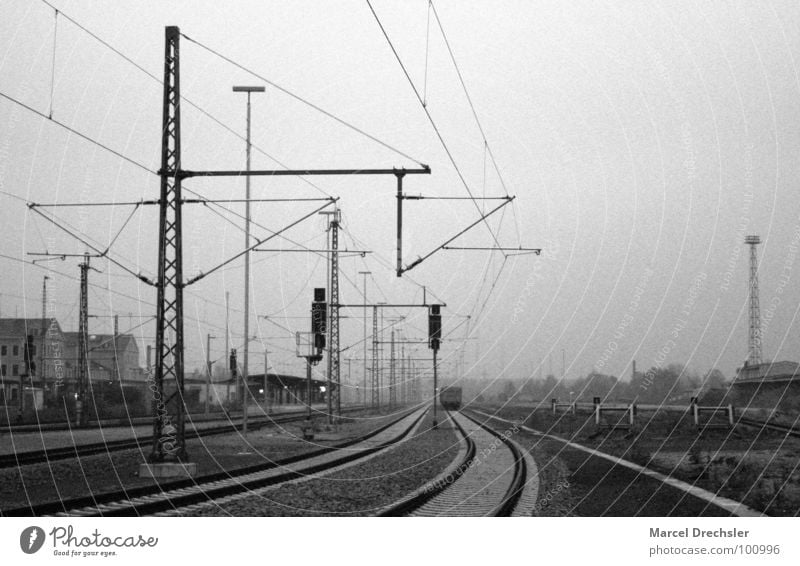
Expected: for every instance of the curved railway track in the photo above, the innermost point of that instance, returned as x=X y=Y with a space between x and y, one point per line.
x=46 y=455
x=491 y=476
x=175 y=495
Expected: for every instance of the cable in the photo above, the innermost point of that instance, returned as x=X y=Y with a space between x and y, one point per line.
x=79 y=134
x=487 y=147
x=304 y=101
x=53 y=62
x=183 y=98
x=427 y=43
x=431 y=120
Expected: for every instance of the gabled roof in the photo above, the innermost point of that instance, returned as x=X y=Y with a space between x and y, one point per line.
x=24 y=326
x=97 y=341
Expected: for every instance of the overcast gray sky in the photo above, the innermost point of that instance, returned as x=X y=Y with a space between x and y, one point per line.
x=643 y=141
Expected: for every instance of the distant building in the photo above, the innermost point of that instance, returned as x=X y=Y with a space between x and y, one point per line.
x=111 y=358
x=768 y=385
x=32 y=355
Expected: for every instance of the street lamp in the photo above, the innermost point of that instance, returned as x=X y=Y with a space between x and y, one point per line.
x=248 y=90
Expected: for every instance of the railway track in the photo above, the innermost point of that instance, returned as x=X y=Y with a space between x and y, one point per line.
x=184 y=494
x=491 y=476
x=785 y=429
x=140 y=442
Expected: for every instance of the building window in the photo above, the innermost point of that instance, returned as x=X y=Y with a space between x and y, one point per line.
x=4 y=350
x=16 y=351
x=15 y=369
x=33 y=350
x=3 y=370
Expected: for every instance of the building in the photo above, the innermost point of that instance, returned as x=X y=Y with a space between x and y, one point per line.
x=32 y=357
x=111 y=358
x=768 y=385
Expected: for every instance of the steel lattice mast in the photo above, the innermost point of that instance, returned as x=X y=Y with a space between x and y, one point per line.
x=376 y=396
x=334 y=394
x=83 y=335
x=754 y=350
x=168 y=437
x=168 y=423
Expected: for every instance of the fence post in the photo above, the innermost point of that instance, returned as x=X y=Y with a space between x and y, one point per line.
x=596 y=401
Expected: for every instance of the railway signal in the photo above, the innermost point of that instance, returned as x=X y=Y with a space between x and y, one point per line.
x=233 y=362
x=319 y=318
x=434 y=340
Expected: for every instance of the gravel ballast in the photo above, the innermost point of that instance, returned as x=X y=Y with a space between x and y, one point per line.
x=64 y=479
x=357 y=490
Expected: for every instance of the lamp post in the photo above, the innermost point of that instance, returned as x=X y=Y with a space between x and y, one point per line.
x=248 y=90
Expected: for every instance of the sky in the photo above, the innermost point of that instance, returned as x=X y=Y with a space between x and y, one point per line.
x=642 y=141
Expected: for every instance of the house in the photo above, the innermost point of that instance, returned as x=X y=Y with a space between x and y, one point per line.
x=768 y=385
x=112 y=357
x=31 y=357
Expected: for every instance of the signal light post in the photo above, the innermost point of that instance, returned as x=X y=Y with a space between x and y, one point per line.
x=319 y=325
x=434 y=337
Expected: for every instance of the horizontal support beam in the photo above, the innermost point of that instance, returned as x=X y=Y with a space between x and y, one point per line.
x=423 y=197
x=63 y=255
x=359 y=252
x=217 y=201
x=536 y=251
x=61 y=204
x=184 y=173
x=385 y=305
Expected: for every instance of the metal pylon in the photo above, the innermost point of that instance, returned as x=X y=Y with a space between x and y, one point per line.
x=754 y=350
x=83 y=335
x=334 y=367
x=376 y=394
x=168 y=422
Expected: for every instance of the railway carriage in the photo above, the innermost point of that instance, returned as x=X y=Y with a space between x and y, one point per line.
x=450 y=398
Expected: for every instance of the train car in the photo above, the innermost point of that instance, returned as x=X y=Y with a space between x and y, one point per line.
x=450 y=398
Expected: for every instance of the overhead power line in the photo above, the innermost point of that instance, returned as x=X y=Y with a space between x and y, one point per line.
x=305 y=101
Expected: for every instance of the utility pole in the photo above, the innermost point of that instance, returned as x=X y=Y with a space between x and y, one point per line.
x=227 y=336
x=376 y=395
x=266 y=380
x=245 y=360
x=365 y=273
x=403 y=382
x=208 y=371
x=169 y=439
x=380 y=353
x=350 y=375
x=83 y=331
x=43 y=345
x=392 y=375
